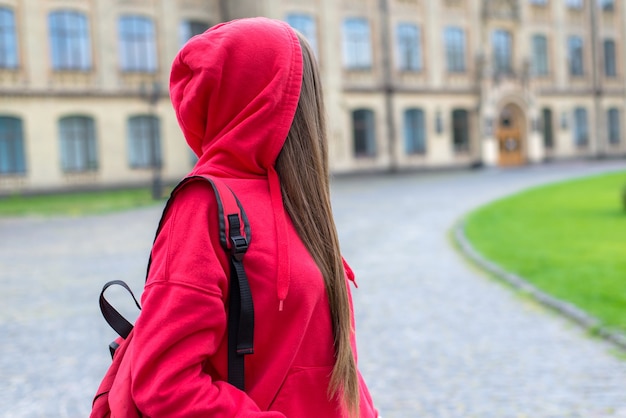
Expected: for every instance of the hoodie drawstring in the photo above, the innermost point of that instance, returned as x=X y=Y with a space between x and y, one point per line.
x=282 y=236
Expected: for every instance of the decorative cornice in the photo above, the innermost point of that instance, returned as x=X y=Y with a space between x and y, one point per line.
x=412 y=90
x=588 y=91
x=74 y=93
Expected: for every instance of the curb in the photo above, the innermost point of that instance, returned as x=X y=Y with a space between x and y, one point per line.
x=566 y=309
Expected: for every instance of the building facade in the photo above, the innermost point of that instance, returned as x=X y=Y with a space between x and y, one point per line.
x=408 y=83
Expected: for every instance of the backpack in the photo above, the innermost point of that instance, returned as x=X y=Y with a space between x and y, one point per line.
x=234 y=238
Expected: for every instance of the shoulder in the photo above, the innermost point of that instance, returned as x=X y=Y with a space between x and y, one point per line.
x=195 y=193
x=191 y=211
x=191 y=202
x=188 y=239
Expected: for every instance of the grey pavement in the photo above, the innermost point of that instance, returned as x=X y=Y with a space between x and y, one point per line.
x=437 y=338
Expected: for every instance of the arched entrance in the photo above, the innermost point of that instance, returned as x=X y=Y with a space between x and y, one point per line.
x=511 y=134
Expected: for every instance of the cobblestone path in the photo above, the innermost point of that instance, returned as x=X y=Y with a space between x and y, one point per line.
x=436 y=337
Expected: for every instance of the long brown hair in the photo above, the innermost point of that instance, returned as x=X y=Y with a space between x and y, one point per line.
x=305 y=181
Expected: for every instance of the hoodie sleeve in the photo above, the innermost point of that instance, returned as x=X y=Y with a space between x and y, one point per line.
x=183 y=320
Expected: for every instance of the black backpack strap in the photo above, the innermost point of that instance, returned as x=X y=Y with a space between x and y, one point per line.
x=111 y=315
x=235 y=238
x=241 y=309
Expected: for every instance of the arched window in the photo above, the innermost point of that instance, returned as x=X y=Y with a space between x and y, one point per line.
x=460 y=130
x=137 y=44
x=502 y=51
x=144 y=141
x=575 y=55
x=69 y=40
x=12 y=159
x=364 y=133
x=8 y=39
x=454 y=39
x=408 y=45
x=78 y=144
x=574 y=4
x=305 y=24
x=357 y=44
x=540 y=55
x=607 y=5
x=414 y=131
x=548 y=131
x=190 y=28
x=613 y=126
x=581 y=127
x=610 y=59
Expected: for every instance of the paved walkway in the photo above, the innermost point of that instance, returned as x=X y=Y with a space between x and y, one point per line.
x=436 y=337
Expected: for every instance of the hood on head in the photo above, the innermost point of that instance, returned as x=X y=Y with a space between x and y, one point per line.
x=235 y=89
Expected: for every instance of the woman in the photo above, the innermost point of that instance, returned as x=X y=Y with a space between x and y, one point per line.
x=248 y=99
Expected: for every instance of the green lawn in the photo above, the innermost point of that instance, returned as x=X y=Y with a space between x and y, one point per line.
x=568 y=239
x=75 y=204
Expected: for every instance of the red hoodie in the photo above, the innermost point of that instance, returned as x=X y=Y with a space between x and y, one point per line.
x=235 y=89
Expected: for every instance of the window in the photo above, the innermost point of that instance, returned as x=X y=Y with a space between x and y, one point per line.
x=540 y=55
x=548 y=133
x=78 y=144
x=8 y=39
x=460 y=130
x=607 y=5
x=613 y=122
x=12 y=159
x=610 y=63
x=364 y=131
x=581 y=127
x=305 y=24
x=455 y=49
x=408 y=47
x=137 y=44
x=414 y=131
x=575 y=55
x=190 y=28
x=144 y=142
x=502 y=47
x=357 y=48
x=574 y=4
x=69 y=41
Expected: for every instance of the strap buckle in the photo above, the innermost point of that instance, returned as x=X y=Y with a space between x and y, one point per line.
x=239 y=247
